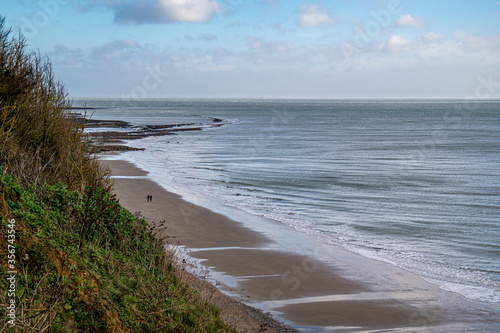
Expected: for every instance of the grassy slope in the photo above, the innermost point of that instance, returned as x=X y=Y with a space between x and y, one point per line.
x=86 y=264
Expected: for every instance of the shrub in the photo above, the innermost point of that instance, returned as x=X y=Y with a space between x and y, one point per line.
x=38 y=141
x=102 y=272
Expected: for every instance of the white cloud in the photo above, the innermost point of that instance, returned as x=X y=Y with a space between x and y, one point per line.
x=159 y=11
x=460 y=35
x=433 y=49
x=397 y=43
x=66 y=57
x=189 y=10
x=269 y=47
x=122 y=54
x=118 y=49
x=409 y=21
x=476 y=43
x=313 y=16
x=431 y=37
x=471 y=43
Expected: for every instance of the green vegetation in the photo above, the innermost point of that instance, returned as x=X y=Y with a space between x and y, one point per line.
x=84 y=263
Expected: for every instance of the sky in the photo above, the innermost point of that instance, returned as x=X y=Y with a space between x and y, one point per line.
x=266 y=48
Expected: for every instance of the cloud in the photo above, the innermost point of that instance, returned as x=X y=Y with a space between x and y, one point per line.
x=273 y=3
x=66 y=57
x=313 y=16
x=431 y=37
x=123 y=54
x=409 y=21
x=114 y=50
x=475 y=43
x=206 y=37
x=471 y=43
x=397 y=43
x=269 y=47
x=219 y=52
x=158 y=11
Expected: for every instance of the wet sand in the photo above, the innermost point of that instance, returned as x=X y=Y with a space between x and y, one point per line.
x=345 y=292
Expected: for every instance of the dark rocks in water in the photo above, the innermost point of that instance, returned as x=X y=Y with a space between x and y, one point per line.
x=78 y=119
x=92 y=123
x=187 y=129
x=104 y=141
x=158 y=127
x=108 y=148
x=113 y=136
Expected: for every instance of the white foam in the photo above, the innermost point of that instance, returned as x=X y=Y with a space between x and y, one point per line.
x=472 y=292
x=174 y=169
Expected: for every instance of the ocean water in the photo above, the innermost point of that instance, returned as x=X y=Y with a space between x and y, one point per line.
x=412 y=183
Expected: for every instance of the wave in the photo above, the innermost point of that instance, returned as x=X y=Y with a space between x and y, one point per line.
x=410 y=216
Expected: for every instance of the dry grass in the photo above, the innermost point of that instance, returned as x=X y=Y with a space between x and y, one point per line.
x=38 y=143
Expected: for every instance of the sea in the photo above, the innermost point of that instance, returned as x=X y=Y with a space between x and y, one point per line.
x=414 y=183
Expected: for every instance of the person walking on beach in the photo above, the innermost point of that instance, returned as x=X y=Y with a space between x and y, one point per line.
x=147 y=198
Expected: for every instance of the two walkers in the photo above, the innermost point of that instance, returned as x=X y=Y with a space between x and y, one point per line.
x=149 y=198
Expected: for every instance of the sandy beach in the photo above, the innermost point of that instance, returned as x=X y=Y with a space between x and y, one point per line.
x=343 y=293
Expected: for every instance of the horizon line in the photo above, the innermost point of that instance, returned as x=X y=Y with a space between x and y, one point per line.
x=291 y=98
